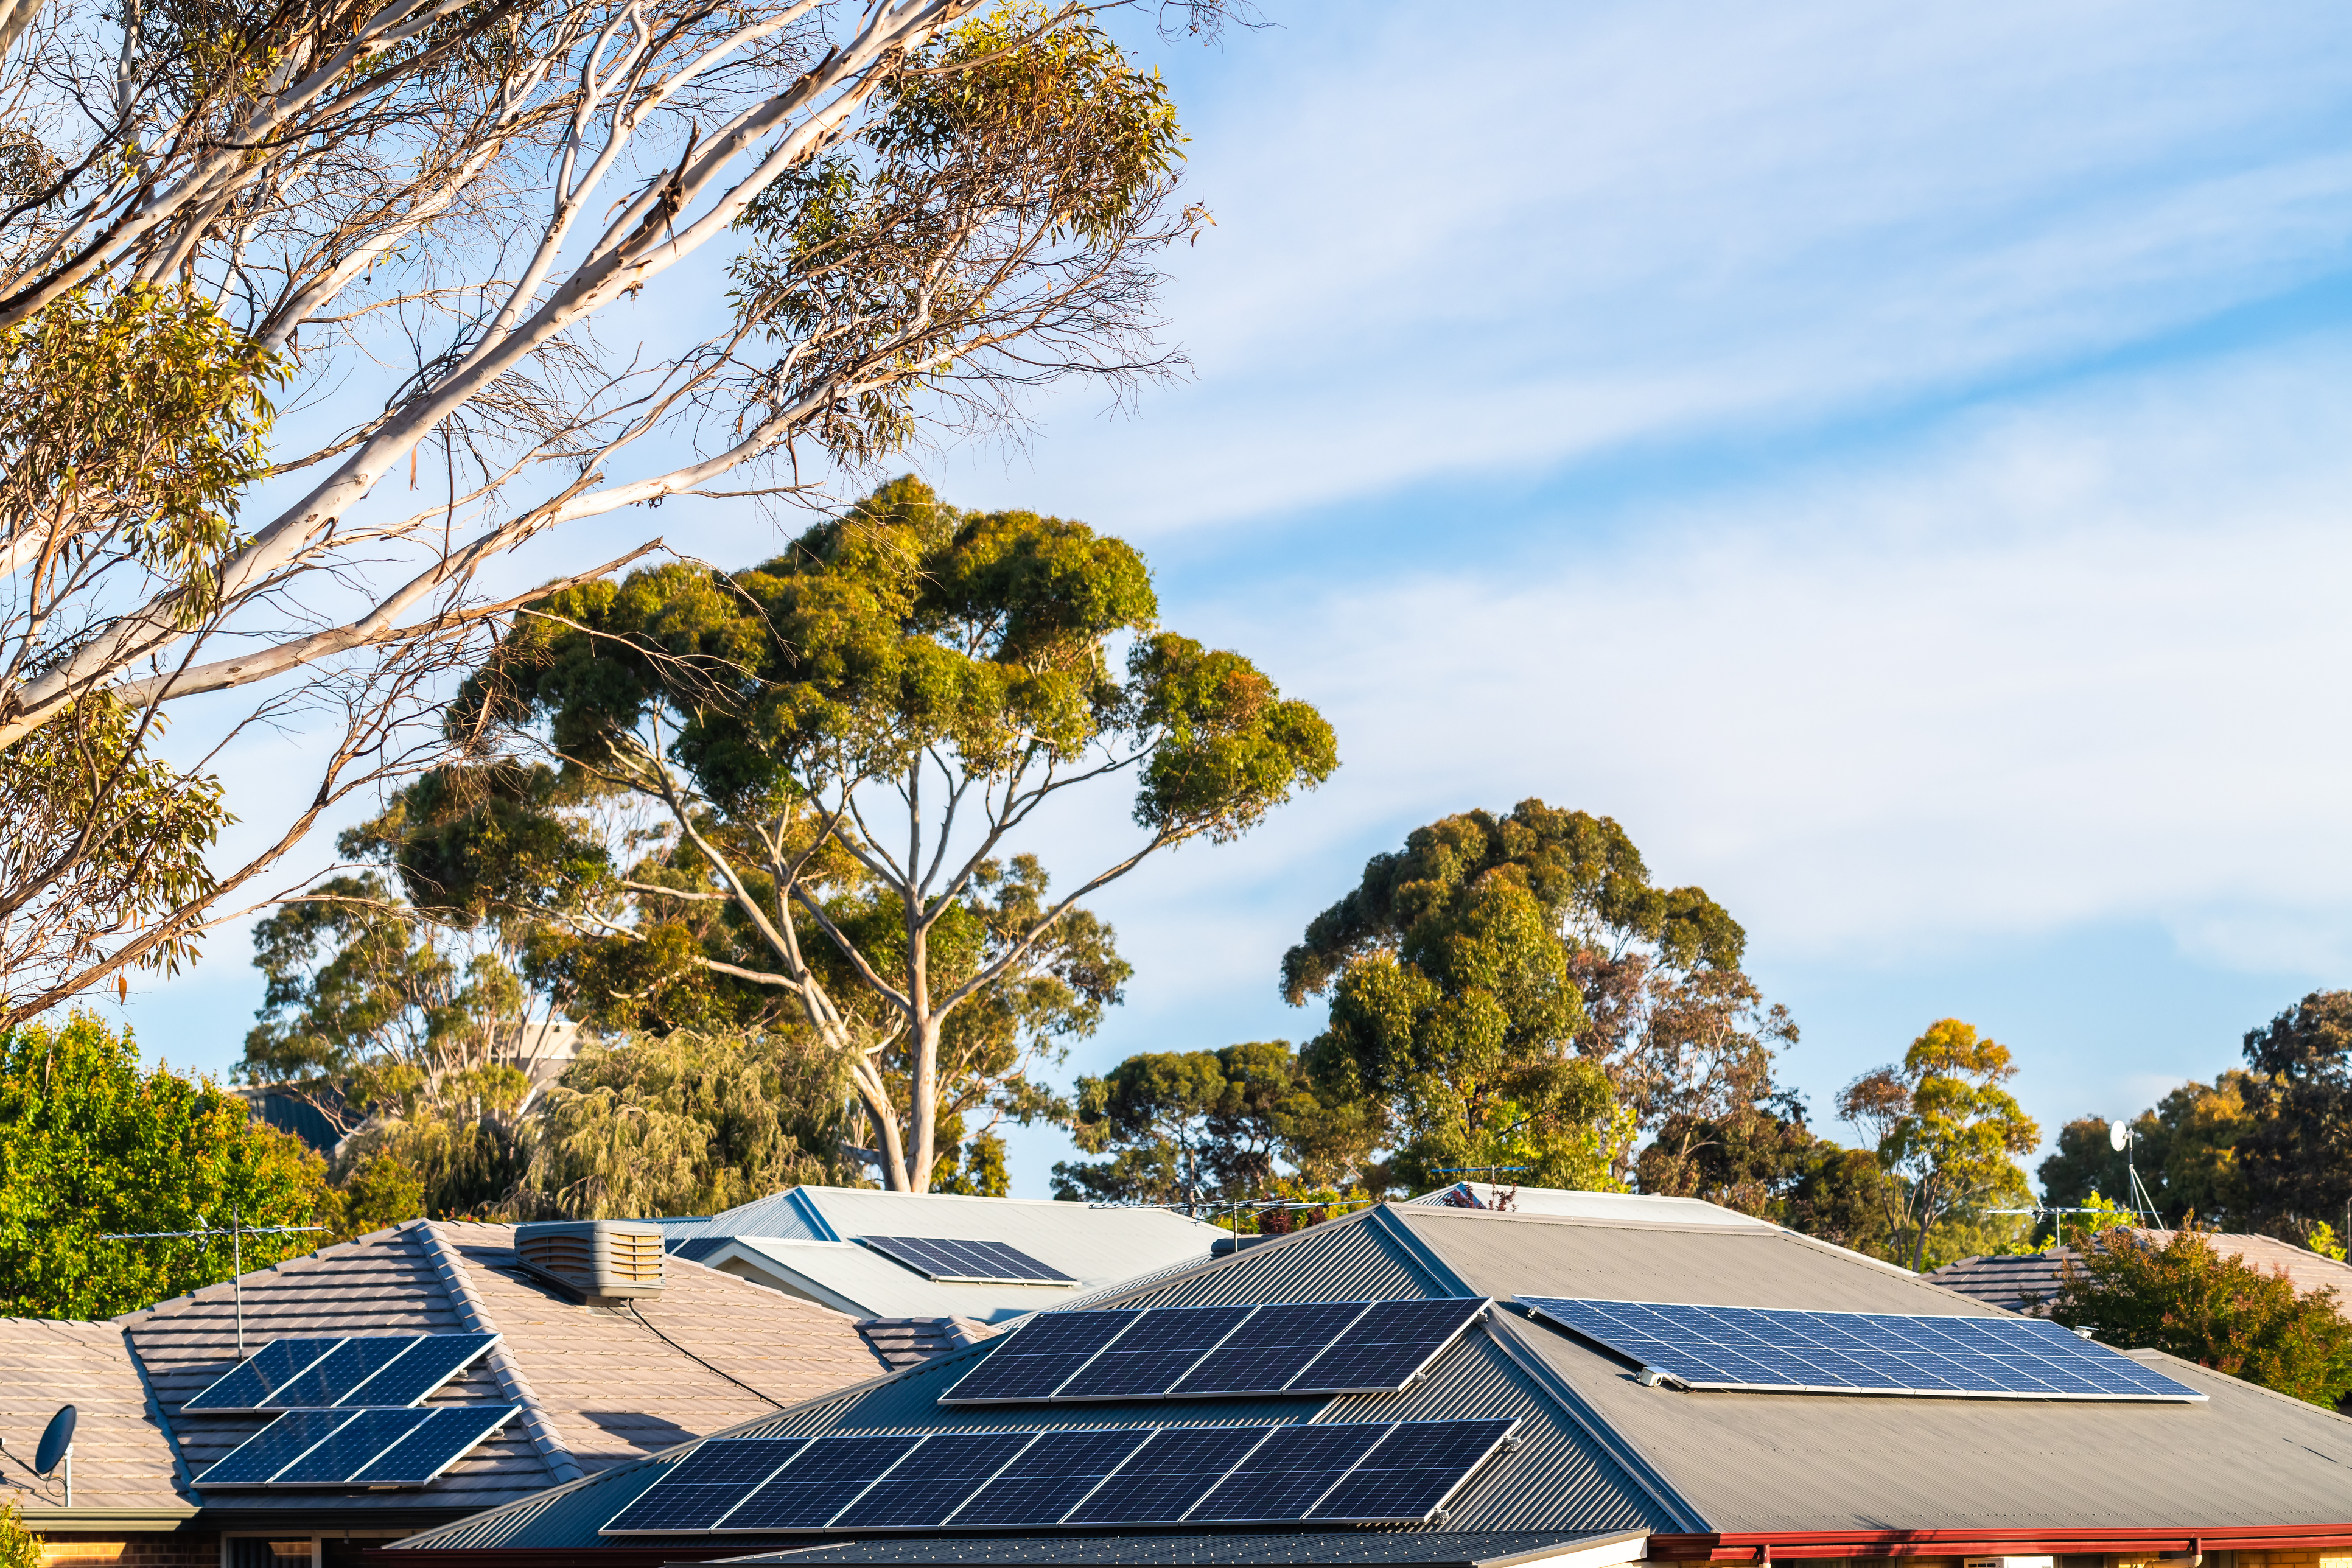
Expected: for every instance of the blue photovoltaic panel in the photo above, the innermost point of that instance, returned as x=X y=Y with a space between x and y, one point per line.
x=1040 y=1356
x=351 y=1448
x=1275 y=1346
x=1055 y=1473
x=253 y=1462
x=929 y=1484
x=981 y=1262
x=332 y=1377
x=1416 y=1467
x=250 y=1385
x=447 y=1434
x=697 y=1491
x=1154 y=1353
x=1780 y=1351
x=430 y=1362
x=822 y=1480
x=1389 y=1345
x=1287 y=1475
x=1308 y=1347
x=1168 y=1475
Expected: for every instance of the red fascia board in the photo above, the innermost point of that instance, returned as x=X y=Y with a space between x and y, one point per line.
x=1750 y=1546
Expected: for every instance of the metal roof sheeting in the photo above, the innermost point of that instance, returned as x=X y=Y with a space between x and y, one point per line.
x=1635 y=1208
x=804 y=1241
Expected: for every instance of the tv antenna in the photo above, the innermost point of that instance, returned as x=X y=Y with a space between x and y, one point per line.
x=2123 y=1139
x=237 y=1232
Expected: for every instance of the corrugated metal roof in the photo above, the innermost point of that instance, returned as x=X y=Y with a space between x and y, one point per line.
x=804 y=1241
x=1473 y=1549
x=1600 y=1453
x=1642 y=1208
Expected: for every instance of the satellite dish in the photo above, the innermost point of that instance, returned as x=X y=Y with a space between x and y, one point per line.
x=57 y=1442
x=2118 y=1136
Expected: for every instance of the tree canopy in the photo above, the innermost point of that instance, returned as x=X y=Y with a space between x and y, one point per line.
x=2295 y=1155
x=1511 y=990
x=815 y=792
x=408 y=218
x=1945 y=1129
x=92 y=1143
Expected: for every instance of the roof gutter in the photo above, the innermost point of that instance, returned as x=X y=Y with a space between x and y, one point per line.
x=1765 y=1546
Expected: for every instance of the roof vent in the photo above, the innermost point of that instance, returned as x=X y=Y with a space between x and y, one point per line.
x=598 y=1258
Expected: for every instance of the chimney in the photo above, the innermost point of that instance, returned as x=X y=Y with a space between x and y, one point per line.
x=602 y=1260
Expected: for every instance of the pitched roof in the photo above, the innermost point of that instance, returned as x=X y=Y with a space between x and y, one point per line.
x=1640 y=1208
x=122 y=1459
x=2026 y=1281
x=1600 y=1453
x=1482 y=1549
x=805 y=1240
x=599 y=1385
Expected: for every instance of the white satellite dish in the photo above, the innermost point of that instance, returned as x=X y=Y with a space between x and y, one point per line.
x=2118 y=1134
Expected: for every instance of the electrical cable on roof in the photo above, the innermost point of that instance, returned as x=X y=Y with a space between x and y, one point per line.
x=631 y=1308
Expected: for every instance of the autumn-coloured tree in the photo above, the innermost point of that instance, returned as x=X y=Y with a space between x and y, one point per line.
x=1945 y=1129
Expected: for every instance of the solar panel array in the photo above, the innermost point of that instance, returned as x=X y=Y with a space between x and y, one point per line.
x=376 y=1369
x=1780 y=1351
x=972 y=1262
x=407 y=1447
x=1379 y=1472
x=1187 y=1353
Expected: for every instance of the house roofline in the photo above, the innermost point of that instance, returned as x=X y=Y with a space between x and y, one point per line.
x=1765 y=1545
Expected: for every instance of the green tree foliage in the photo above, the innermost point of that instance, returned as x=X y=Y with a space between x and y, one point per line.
x=2183 y=1296
x=132 y=417
x=829 y=759
x=687 y=1123
x=2295 y=1158
x=91 y=1144
x=19 y=1547
x=1945 y=1131
x=1512 y=990
x=2185 y=1150
x=1210 y=1127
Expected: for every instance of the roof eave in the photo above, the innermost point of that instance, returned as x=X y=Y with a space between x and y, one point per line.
x=1765 y=1545
x=40 y=1519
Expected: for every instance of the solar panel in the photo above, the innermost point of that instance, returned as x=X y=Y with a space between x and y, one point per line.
x=979 y=1262
x=1168 y=1475
x=1413 y=1472
x=1388 y=1346
x=351 y=1447
x=1271 y=1348
x=1777 y=1350
x=447 y=1434
x=697 y=1491
x=341 y=1369
x=930 y=1483
x=271 y=1449
x=249 y=1385
x=1154 y=1353
x=348 y=1446
x=1055 y=1473
x=430 y=1362
x=1311 y=1347
x=820 y=1481
x=1287 y=1475
x=1039 y=1356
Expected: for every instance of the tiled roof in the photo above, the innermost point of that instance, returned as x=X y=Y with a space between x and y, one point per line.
x=122 y=1459
x=598 y=1385
x=903 y=1341
x=2021 y=1282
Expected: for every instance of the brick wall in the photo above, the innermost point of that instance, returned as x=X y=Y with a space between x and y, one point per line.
x=159 y=1549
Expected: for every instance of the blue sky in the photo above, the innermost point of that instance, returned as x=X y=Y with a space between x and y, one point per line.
x=1894 y=462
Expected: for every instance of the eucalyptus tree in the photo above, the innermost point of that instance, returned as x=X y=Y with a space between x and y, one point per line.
x=425 y=223
x=833 y=781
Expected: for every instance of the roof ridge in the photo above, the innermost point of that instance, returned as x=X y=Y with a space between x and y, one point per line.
x=475 y=1313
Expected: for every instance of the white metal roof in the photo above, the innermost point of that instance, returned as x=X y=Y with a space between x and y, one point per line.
x=1639 y=1208
x=805 y=1241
